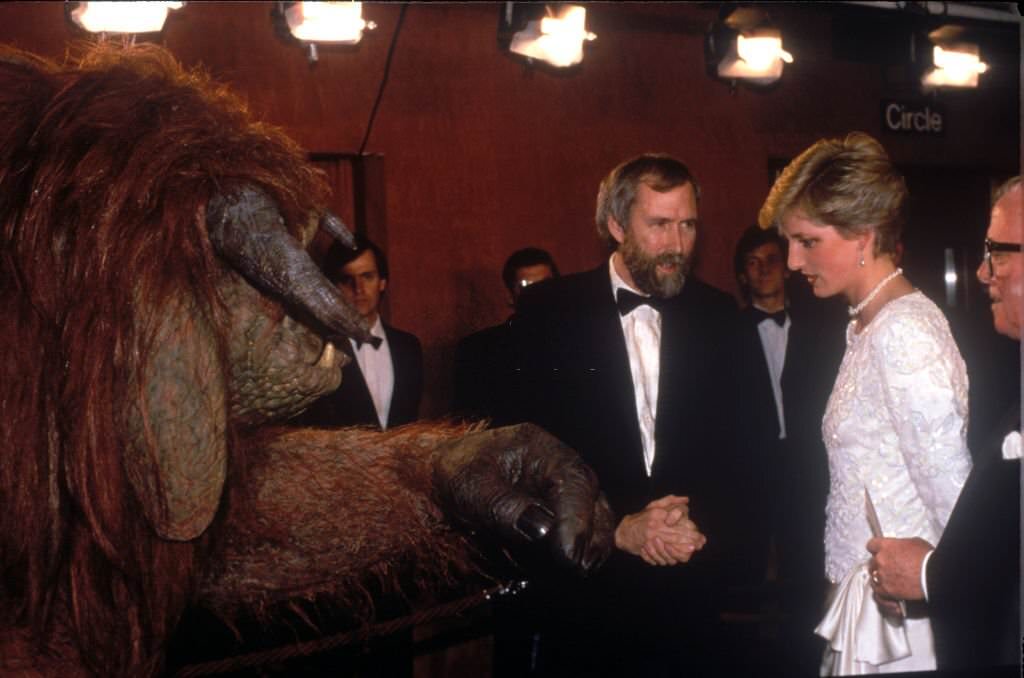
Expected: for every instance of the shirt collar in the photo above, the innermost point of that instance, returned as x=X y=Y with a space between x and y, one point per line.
x=617 y=281
x=376 y=330
x=785 y=307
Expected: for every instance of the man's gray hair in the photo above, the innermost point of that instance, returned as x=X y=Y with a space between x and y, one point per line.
x=618 y=190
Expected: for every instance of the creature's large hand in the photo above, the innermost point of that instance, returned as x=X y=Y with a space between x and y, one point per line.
x=523 y=483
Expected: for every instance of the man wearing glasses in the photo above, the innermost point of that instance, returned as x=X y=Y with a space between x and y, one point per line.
x=971 y=578
x=994 y=271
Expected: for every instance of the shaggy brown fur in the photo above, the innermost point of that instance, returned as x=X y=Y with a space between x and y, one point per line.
x=105 y=164
x=108 y=285
x=325 y=513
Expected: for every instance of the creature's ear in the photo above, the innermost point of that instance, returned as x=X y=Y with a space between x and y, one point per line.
x=176 y=459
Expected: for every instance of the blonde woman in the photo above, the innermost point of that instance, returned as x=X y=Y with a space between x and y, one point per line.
x=895 y=424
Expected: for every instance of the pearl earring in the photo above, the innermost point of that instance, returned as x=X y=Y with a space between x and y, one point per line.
x=862 y=259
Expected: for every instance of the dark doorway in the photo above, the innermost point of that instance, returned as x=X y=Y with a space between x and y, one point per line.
x=947 y=220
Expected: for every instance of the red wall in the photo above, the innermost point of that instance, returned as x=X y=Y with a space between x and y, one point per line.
x=483 y=155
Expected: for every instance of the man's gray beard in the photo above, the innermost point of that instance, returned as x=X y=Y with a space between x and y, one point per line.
x=644 y=270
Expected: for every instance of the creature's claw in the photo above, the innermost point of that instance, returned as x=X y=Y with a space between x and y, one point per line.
x=526 y=485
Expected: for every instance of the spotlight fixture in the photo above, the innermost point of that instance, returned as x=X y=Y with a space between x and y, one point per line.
x=556 y=37
x=956 y=65
x=744 y=46
x=121 y=17
x=335 y=23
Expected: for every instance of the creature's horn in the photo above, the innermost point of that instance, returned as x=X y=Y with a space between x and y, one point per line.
x=247 y=229
x=333 y=224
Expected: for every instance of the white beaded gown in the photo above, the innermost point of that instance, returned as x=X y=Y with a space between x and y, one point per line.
x=895 y=425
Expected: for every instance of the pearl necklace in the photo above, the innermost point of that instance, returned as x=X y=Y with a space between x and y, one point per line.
x=855 y=310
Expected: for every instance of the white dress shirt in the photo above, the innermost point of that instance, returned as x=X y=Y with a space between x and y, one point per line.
x=773 y=340
x=378 y=371
x=641 y=328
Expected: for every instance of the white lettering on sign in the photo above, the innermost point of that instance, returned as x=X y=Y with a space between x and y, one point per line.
x=903 y=118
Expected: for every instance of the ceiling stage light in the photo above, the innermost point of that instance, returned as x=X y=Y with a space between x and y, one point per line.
x=327 y=23
x=956 y=65
x=757 y=56
x=339 y=23
x=742 y=45
x=122 y=17
x=556 y=38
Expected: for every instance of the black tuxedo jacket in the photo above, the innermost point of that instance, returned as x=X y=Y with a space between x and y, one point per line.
x=814 y=349
x=974 y=574
x=575 y=381
x=799 y=464
x=572 y=355
x=757 y=377
x=352 y=405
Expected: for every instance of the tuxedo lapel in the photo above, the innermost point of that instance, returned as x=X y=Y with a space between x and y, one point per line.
x=360 y=398
x=752 y=338
x=605 y=336
x=670 y=351
x=679 y=344
x=697 y=341
x=397 y=369
x=757 y=373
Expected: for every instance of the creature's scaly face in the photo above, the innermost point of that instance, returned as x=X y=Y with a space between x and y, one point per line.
x=280 y=306
x=278 y=366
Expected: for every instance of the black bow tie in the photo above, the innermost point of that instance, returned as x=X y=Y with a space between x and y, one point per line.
x=375 y=341
x=779 y=316
x=627 y=301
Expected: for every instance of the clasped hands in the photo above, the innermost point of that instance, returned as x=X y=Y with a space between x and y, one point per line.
x=662 y=533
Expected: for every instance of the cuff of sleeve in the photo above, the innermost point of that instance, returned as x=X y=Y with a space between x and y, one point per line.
x=924 y=573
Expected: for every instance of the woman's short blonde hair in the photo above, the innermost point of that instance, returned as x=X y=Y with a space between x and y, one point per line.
x=849 y=184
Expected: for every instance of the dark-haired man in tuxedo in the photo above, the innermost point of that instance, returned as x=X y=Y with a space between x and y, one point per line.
x=482 y=367
x=382 y=384
x=790 y=354
x=630 y=365
x=971 y=578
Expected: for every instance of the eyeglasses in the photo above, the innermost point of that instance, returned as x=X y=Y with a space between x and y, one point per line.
x=996 y=246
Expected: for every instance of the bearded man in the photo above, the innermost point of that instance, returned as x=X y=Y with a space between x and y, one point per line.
x=630 y=364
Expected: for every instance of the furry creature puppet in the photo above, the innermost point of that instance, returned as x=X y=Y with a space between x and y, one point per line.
x=159 y=314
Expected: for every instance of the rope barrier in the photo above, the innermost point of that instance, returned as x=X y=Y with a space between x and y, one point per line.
x=363 y=634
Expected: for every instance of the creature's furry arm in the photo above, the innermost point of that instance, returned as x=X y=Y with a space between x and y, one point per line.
x=323 y=509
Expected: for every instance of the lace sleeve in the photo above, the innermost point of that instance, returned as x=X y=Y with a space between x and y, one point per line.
x=924 y=386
